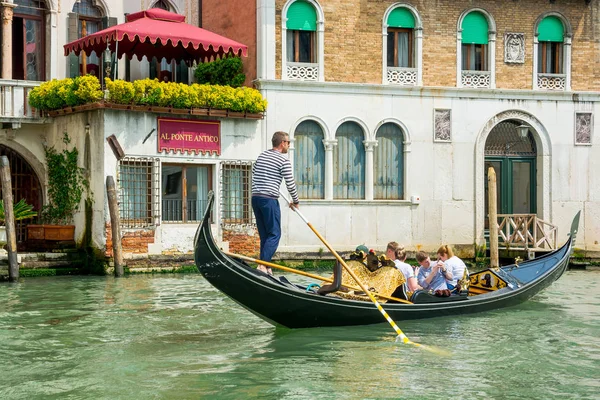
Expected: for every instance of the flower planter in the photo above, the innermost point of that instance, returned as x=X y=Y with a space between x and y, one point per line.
x=51 y=232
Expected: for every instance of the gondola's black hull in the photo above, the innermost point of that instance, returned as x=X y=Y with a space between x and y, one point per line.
x=286 y=305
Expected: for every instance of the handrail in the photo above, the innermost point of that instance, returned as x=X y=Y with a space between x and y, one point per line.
x=526 y=231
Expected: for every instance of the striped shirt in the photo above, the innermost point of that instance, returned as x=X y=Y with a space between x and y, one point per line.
x=268 y=171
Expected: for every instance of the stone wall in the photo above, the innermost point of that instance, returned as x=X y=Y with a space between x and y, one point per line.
x=133 y=242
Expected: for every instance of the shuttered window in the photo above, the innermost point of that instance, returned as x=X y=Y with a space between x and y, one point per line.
x=551 y=29
x=349 y=162
x=301 y=16
x=309 y=160
x=389 y=163
x=401 y=18
x=301 y=26
x=475 y=28
x=551 y=34
x=475 y=42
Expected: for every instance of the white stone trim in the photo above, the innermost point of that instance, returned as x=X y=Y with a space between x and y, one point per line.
x=418 y=42
x=444 y=92
x=320 y=39
x=405 y=132
x=543 y=166
x=491 y=46
x=265 y=39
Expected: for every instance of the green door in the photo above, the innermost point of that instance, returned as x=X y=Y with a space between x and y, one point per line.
x=515 y=184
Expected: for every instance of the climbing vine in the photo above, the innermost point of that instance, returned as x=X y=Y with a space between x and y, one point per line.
x=66 y=184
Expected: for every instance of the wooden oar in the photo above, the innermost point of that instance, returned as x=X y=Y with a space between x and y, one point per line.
x=399 y=332
x=307 y=274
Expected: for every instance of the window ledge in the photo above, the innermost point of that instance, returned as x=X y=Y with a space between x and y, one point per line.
x=344 y=202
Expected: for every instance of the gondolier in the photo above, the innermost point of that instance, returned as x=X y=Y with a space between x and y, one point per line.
x=270 y=168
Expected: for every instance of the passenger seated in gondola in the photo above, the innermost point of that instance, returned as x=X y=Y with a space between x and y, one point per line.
x=431 y=276
x=397 y=253
x=453 y=264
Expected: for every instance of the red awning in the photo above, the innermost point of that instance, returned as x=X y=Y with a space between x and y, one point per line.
x=157 y=33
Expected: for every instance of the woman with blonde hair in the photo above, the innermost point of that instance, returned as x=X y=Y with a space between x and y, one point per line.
x=451 y=263
x=397 y=253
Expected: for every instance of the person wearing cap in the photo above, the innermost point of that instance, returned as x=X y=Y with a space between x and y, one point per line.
x=270 y=168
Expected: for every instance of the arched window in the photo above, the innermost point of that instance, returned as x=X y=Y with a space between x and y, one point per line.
x=302 y=41
x=28 y=46
x=474 y=42
x=477 y=51
x=309 y=160
x=349 y=162
x=389 y=163
x=400 y=46
x=162 y=5
x=552 y=54
x=86 y=18
x=402 y=43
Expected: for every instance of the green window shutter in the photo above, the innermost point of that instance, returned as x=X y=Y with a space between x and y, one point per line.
x=72 y=35
x=301 y=16
x=475 y=29
x=401 y=18
x=551 y=29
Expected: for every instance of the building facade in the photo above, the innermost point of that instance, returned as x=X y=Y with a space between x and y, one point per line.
x=163 y=185
x=398 y=109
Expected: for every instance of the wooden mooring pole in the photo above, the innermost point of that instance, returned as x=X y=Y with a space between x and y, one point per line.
x=9 y=220
x=115 y=223
x=493 y=218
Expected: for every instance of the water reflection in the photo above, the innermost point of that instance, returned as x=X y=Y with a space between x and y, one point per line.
x=176 y=337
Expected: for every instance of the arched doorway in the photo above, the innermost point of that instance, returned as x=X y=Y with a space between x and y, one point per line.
x=25 y=185
x=511 y=150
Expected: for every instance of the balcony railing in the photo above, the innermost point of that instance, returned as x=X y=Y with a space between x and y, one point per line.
x=552 y=81
x=302 y=71
x=14 y=100
x=402 y=76
x=476 y=79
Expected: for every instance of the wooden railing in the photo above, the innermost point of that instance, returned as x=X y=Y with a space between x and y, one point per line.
x=525 y=232
x=14 y=100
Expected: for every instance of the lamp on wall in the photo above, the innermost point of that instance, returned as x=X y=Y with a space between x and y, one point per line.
x=523 y=131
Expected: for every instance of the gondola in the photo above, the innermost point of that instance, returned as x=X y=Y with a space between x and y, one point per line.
x=282 y=303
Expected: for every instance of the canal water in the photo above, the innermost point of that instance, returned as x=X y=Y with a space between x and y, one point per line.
x=176 y=337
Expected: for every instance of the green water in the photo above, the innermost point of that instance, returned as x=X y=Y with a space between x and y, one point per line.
x=175 y=337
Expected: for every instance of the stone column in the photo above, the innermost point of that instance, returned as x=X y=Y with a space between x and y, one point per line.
x=369 y=168
x=7 y=17
x=328 y=143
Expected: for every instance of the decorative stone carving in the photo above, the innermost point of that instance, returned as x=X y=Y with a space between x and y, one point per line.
x=442 y=125
x=583 y=128
x=303 y=71
x=476 y=79
x=514 y=48
x=402 y=76
x=552 y=81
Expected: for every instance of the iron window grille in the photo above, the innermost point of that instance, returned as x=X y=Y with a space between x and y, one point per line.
x=139 y=192
x=236 y=193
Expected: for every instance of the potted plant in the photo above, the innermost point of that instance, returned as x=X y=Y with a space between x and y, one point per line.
x=66 y=184
x=21 y=210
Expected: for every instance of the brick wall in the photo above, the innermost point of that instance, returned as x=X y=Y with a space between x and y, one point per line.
x=242 y=240
x=236 y=20
x=133 y=242
x=353 y=39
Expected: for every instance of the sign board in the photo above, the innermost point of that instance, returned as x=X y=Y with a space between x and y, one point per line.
x=189 y=136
